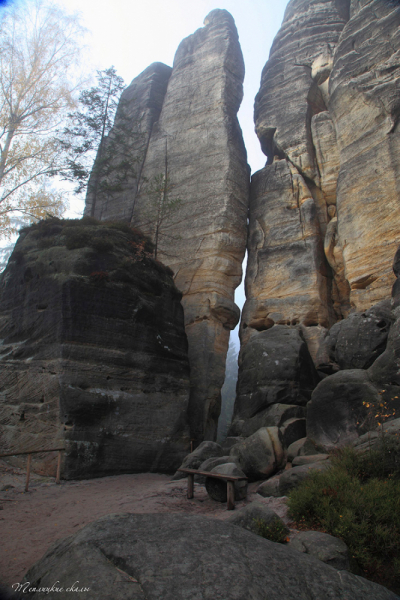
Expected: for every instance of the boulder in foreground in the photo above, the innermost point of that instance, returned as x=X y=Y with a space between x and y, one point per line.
x=174 y=557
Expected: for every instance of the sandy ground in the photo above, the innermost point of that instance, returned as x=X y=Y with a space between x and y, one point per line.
x=31 y=522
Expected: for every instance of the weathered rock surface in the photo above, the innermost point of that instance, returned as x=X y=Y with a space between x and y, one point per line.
x=357 y=341
x=296 y=475
x=261 y=454
x=203 y=452
x=302 y=447
x=368 y=441
x=112 y=193
x=273 y=416
x=300 y=61
x=323 y=212
x=93 y=352
x=276 y=368
x=174 y=557
x=293 y=430
x=209 y=465
x=250 y=516
x=196 y=154
x=365 y=107
x=287 y=280
x=217 y=489
x=270 y=487
x=323 y=546
x=298 y=461
x=336 y=413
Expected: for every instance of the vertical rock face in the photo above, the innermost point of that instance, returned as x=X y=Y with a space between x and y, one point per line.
x=324 y=218
x=93 y=352
x=290 y=92
x=365 y=108
x=287 y=279
x=139 y=108
x=193 y=201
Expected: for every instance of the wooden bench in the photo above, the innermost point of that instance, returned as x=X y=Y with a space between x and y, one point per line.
x=230 y=484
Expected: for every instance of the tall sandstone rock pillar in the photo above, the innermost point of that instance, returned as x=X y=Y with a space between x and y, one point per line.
x=192 y=199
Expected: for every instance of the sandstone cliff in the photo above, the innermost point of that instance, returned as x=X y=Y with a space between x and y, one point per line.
x=191 y=197
x=324 y=219
x=93 y=352
x=327 y=112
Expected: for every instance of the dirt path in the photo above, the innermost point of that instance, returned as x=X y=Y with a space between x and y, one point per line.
x=30 y=522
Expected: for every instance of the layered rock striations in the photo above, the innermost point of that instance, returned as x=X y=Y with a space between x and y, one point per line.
x=93 y=352
x=192 y=200
x=324 y=219
x=365 y=108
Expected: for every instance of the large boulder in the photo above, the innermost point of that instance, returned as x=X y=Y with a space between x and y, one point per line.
x=293 y=430
x=273 y=416
x=209 y=465
x=253 y=515
x=203 y=452
x=357 y=341
x=370 y=440
x=337 y=412
x=93 y=353
x=175 y=557
x=276 y=368
x=217 y=488
x=270 y=487
x=323 y=546
x=261 y=454
x=291 y=478
x=302 y=447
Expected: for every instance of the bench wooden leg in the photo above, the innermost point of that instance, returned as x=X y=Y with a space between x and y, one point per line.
x=190 y=488
x=230 y=488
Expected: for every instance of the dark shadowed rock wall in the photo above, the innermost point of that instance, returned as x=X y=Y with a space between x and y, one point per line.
x=93 y=352
x=192 y=199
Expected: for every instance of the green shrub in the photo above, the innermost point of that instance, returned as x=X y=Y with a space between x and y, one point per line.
x=349 y=501
x=275 y=531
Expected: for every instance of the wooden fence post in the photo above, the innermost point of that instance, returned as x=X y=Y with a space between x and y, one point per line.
x=58 y=467
x=28 y=471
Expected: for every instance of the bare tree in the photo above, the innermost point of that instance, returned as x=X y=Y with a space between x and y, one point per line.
x=39 y=48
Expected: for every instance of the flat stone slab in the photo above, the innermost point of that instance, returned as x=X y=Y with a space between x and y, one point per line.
x=175 y=557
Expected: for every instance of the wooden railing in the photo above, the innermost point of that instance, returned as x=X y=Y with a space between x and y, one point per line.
x=28 y=464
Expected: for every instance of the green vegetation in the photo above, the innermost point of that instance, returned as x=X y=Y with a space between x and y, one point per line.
x=275 y=531
x=358 y=501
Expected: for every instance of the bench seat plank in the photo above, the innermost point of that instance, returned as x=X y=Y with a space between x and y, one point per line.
x=215 y=475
